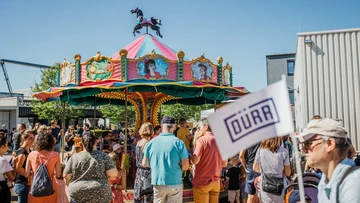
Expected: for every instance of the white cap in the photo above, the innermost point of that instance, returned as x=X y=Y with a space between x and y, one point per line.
x=116 y=147
x=327 y=127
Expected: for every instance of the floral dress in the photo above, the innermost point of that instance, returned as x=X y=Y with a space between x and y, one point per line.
x=142 y=175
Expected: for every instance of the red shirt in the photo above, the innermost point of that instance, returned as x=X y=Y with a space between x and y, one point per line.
x=209 y=167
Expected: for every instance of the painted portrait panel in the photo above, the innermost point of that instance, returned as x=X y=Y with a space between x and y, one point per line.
x=153 y=69
x=201 y=71
x=226 y=77
x=67 y=75
x=99 y=70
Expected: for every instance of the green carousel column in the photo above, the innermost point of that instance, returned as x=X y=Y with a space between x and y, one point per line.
x=220 y=73
x=180 y=56
x=123 y=62
x=77 y=59
x=58 y=75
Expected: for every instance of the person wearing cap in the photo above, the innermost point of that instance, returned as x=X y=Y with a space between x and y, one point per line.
x=167 y=157
x=324 y=142
x=208 y=165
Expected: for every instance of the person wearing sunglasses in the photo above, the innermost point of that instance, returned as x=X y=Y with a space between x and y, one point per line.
x=324 y=143
x=69 y=138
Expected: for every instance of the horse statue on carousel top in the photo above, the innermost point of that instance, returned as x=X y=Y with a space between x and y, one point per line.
x=141 y=22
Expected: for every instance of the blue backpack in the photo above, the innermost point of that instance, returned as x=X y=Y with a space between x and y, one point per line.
x=42 y=185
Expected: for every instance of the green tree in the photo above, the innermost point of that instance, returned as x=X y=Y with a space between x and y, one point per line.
x=190 y=112
x=52 y=110
x=116 y=114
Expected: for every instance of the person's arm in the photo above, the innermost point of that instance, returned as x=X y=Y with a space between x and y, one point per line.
x=287 y=170
x=58 y=170
x=123 y=180
x=256 y=167
x=11 y=175
x=242 y=158
x=18 y=165
x=257 y=162
x=67 y=178
x=145 y=162
x=195 y=159
x=27 y=168
x=185 y=164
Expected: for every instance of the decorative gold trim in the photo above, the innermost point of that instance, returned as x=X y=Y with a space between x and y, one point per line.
x=220 y=60
x=77 y=57
x=156 y=107
x=180 y=54
x=123 y=52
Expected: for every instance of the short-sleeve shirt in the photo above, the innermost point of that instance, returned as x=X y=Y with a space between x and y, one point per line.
x=165 y=153
x=89 y=182
x=182 y=134
x=210 y=165
x=234 y=176
x=273 y=163
x=55 y=133
x=348 y=190
x=4 y=167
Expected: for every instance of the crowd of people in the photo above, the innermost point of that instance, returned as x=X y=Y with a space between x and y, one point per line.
x=95 y=168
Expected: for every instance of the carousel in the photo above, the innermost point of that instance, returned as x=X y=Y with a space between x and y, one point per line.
x=146 y=74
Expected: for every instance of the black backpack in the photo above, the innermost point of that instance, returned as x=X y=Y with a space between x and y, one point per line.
x=41 y=185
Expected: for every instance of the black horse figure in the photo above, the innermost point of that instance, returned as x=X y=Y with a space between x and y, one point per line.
x=141 y=22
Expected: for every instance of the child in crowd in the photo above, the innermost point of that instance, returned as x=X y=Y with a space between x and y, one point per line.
x=117 y=184
x=234 y=176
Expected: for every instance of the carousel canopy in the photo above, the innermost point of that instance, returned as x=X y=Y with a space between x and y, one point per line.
x=145 y=45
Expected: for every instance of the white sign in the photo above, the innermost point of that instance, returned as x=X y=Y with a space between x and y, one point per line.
x=251 y=119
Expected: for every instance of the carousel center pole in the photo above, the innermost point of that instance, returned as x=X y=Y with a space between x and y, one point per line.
x=214 y=105
x=126 y=131
x=63 y=131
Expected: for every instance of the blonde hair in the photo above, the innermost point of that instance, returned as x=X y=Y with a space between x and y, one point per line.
x=146 y=130
x=272 y=144
x=115 y=158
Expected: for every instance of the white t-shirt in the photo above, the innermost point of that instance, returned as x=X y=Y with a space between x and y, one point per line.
x=4 y=167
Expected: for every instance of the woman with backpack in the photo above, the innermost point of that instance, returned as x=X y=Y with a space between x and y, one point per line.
x=43 y=158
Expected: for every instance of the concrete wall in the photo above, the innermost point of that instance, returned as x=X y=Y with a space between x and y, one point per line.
x=276 y=66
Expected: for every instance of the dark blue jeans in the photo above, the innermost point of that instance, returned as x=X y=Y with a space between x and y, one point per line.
x=22 y=191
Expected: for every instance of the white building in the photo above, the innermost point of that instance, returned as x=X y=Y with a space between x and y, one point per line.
x=327 y=77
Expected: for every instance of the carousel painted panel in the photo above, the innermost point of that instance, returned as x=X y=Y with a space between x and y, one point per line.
x=199 y=70
x=100 y=71
x=152 y=68
x=67 y=74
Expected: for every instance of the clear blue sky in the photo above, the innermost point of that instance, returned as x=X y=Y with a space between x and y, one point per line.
x=241 y=31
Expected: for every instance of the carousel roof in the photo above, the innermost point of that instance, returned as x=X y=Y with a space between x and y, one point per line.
x=145 y=45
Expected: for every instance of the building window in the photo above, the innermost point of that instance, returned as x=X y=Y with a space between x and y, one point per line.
x=292 y=98
x=290 y=67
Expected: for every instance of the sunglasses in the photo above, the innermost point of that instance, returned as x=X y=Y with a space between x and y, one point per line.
x=308 y=145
